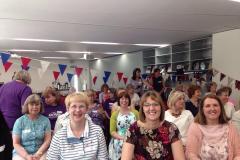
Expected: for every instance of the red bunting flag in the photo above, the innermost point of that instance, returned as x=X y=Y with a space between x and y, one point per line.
x=119 y=74
x=25 y=61
x=94 y=80
x=56 y=74
x=7 y=65
x=125 y=79
x=222 y=76
x=78 y=71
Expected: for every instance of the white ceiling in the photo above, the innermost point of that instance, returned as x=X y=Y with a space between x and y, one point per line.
x=123 y=21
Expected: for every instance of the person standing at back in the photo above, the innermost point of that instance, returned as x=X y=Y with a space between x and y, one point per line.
x=12 y=96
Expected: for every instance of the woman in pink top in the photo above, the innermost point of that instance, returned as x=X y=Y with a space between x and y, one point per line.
x=212 y=136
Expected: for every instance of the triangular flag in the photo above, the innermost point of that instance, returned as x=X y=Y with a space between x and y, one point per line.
x=26 y=68
x=119 y=74
x=215 y=72
x=56 y=74
x=5 y=57
x=94 y=80
x=105 y=79
x=230 y=80
x=62 y=68
x=125 y=79
x=25 y=61
x=144 y=76
x=7 y=65
x=40 y=72
x=78 y=71
x=107 y=74
x=69 y=75
x=222 y=76
x=44 y=65
x=237 y=84
x=93 y=72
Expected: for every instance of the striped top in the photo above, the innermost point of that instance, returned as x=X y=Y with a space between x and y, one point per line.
x=91 y=145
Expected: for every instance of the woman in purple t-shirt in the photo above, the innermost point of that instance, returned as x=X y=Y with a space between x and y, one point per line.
x=52 y=105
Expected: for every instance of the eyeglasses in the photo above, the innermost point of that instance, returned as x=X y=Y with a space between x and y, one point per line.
x=75 y=107
x=151 y=104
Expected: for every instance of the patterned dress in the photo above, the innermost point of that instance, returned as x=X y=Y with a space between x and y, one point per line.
x=153 y=144
x=123 y=123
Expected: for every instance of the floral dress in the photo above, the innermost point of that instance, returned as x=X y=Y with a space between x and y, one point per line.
x=123 y=123
x=153 y=144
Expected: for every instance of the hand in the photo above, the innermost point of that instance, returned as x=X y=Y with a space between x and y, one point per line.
x=29 y=157
x=36 y=157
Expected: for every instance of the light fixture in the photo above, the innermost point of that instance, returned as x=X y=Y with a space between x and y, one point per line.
x=115 y=53
x=24 y=50
x=152 y=45
x=83 y=52
x=36 y=40
x=235 y=0
x=55 y=57
x=15 y=56
x=104 y=43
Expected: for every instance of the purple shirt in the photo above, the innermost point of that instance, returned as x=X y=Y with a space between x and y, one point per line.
x=52 y=112
x=12 y=96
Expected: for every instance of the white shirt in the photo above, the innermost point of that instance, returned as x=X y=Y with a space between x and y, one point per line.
x=182 y=122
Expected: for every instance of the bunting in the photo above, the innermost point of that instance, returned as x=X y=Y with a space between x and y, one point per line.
x=7 y=65
x=5 y=57
x=62 y=68
x=222 y=76
x=69 y=76
x=94 y=80
x=125 y=79
x=56 y=75
x=25 y=62
x=119 y=74
x=78 y=71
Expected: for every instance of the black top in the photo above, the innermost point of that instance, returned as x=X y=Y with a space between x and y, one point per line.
x=191 y=107
x=157 y=83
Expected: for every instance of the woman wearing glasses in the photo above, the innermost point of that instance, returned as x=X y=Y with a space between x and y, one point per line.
x=152 y=137
x=80 y=138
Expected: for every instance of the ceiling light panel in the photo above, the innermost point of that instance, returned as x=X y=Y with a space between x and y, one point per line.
x=104 y=43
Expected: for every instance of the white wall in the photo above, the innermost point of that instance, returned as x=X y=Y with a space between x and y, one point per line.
x=226 y=57
x=39 y=83
x=124 y=63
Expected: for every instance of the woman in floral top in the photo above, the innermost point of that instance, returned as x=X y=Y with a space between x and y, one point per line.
x=152 y=137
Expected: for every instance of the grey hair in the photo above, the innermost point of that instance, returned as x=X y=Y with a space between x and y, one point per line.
x=23 y=76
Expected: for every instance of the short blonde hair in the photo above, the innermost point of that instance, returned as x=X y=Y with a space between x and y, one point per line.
x=154 y=96
x=32 y=99
x=66 y=100
x=174 y=97
x=79 y=96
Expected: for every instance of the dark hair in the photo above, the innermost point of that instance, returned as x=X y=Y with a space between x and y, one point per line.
x=156 y=70
x=135 y=73
x=154 y=96
x=192 y=89
x=104 y=86
x=224 y=89
x=201 y=119
x=126 y=95
x=210 y=85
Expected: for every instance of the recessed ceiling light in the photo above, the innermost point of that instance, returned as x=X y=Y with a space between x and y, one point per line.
x=36 y=40
x=235 y=0
x=74 y=52
x=105 y=43
x=23 y=50
x=152 y=45
x=115 y=53
x=55 y=57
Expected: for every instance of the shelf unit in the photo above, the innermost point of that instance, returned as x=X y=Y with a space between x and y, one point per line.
x=185 y=53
